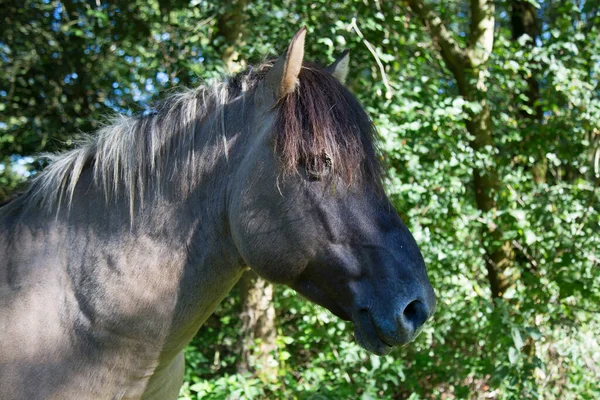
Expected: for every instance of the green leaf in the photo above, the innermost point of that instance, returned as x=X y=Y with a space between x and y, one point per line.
x=517 y=339
x=513 y=355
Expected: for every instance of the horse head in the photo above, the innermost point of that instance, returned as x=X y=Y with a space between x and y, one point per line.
x=307 y=206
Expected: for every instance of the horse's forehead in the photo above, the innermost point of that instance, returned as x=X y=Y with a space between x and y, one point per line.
x=323 y=122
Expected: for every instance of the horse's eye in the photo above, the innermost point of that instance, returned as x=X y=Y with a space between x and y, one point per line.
x=317 y=168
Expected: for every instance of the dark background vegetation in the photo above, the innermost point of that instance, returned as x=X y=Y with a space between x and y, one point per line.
x=489 y=116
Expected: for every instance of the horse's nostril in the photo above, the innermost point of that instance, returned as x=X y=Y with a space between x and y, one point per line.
x=416 y=314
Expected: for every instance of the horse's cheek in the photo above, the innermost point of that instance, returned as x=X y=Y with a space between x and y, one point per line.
x=265 y=239
x=275 y=260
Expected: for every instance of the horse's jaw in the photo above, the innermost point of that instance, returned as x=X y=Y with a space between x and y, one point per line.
x=315 y=294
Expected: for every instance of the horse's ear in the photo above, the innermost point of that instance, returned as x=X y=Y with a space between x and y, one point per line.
x=282 y=78
x=339 y=68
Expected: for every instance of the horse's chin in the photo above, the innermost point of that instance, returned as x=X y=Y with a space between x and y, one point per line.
x=366 y=335
x=371 y=343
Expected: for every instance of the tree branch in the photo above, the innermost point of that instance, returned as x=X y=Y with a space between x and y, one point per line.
x=481 y=39
x=370 y=47
x=454 y=55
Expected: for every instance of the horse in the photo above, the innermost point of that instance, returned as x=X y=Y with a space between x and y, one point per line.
x=115 y=255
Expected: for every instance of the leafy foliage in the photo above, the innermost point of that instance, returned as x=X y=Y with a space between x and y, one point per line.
x=66 y=64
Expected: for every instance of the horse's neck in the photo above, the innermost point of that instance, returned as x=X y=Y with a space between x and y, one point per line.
x=176 y=265
x=153 y=281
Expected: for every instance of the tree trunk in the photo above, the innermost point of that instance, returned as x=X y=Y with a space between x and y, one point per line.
x=487 y=184
x=258 y=313
x=258 y=328
x=468 y=66
x=524 y=22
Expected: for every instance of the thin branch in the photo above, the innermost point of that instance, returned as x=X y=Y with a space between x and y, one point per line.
x=577 y=307
x=523 y=251
x=386 y=82
x=514 y=193
x=454 y=55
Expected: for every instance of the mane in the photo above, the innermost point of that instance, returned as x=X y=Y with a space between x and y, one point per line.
x=321 y=124
x=132 y=155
